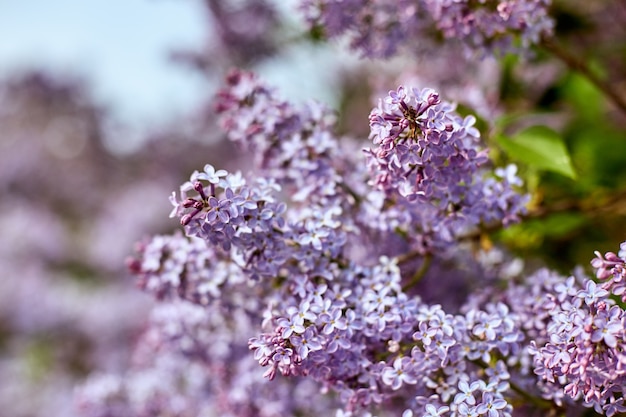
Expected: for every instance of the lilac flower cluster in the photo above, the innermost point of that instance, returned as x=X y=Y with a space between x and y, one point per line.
x=192 y=361
x=294 y=146
x=530 y=304
x=492 y=25
x=180 y=267
x=287 y=267
x=574 y=335
x=379 y=28
x=416 y=138
x=224 y=211
x=586 y=352
x=428 y=161
x=348 y=326
x=335 y=331
x=327 y=317
x=611 y=270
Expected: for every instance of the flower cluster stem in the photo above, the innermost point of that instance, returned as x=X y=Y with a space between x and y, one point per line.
x=419 y=274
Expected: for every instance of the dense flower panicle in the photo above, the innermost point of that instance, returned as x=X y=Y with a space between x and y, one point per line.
x=299 y=284
x=611 y=271
x=531 y=302
x=192 y=362
x=296 y=147
x=450 y=198
x=586 y=352
x=432 y=348
x=379 y=28
x=176 y=266
x=428 y=160
x=327 y=317
x=293 y=145
x=423 y=147
x=335 y=335
x=225 y=212
x=492 y=26
x=326 y=310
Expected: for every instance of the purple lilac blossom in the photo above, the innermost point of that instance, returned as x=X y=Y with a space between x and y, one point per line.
x=296 y=147
x=611 y=271
x=573 y=335
x=293 y=145
x=380 y=28
x=301 y=262
x=310 y=330
x=376 y=27
x=190 y=362
x=284 y=281
x=585 y=353
x=429 y=163
x=463 y=194
x=492 y=26
x=180 y=267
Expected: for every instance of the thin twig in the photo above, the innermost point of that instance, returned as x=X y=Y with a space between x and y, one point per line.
x=419 y=274
x=579 y=65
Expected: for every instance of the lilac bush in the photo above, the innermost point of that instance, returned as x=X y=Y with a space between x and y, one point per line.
x=381 y=28
x=307 y=267
x=348 y=276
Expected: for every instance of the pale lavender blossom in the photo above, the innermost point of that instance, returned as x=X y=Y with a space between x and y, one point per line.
x=430 y=163
x=291 y=273
x=398 y=374
x=381 y=28
x=432 y=411
x=491 y=405
x=306 y=343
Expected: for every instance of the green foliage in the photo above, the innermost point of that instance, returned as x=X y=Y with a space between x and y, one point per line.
x=316 y=34
x=535 y=231
x=539 y=147
x=584 y=97
x=576 y=175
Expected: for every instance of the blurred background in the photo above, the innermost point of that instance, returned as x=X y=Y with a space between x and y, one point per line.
x=83 y=87
x=105 y=108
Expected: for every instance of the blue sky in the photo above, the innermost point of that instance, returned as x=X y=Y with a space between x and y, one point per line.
x=120 y=46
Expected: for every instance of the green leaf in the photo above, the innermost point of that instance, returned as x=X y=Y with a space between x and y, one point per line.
x=558 y=225
x=586 y=99
x=539 y=147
